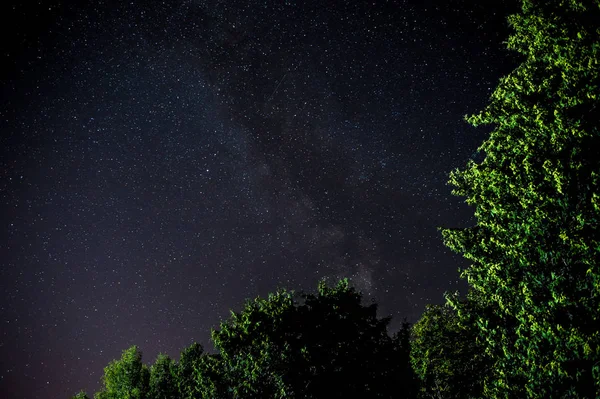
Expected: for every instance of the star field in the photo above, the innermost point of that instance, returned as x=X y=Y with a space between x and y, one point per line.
x=162 y=162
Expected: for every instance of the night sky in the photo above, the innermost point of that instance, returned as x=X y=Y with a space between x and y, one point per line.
x=160 y=162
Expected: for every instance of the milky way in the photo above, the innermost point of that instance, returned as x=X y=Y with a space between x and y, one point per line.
x=161 y=163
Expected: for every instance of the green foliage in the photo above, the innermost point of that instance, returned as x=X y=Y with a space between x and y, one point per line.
x=126 y=378
x=189 y=361
x=446 y=355
x=163 y=375
x=211 y=378
x=81 y=395
x=535 y=250
x=325 y=345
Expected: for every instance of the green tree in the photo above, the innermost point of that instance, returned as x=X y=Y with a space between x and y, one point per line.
x=81 y=395
x=323 y=345
x=163 y=379
x=326 y=345
x=189 y=362
x=126 y=378
x=535 y=250
x=446 y=355
x=211 y=378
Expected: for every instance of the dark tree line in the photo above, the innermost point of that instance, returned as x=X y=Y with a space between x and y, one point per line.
x=529 y=326
x=319 y=345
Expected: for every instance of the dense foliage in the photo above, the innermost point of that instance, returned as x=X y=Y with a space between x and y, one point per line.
x=530 y=323
x=447 y=356
x=535 y=249
x=126 y=378
x=325 y=345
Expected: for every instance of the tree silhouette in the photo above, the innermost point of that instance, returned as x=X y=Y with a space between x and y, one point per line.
x=326 y=345
x=323 y=345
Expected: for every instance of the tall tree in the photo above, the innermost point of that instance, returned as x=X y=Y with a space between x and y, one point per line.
x=535 y=251
x=126 y=378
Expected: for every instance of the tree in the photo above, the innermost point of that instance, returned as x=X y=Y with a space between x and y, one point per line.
x=81 y=395
x=324 y=346
x=189 y=361
x=402 y=347
x=535 y=251
x=126 y=378
x=446 y=355
x=212 y=379
x=163 y=379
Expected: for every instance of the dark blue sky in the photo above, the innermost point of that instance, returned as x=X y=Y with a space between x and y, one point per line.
x=162 y=162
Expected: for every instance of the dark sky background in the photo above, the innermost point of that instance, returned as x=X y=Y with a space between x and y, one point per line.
x=160 y=162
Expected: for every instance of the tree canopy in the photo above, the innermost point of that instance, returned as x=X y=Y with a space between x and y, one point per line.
x=535 y=249
x=126 y=378
x=323 y=345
